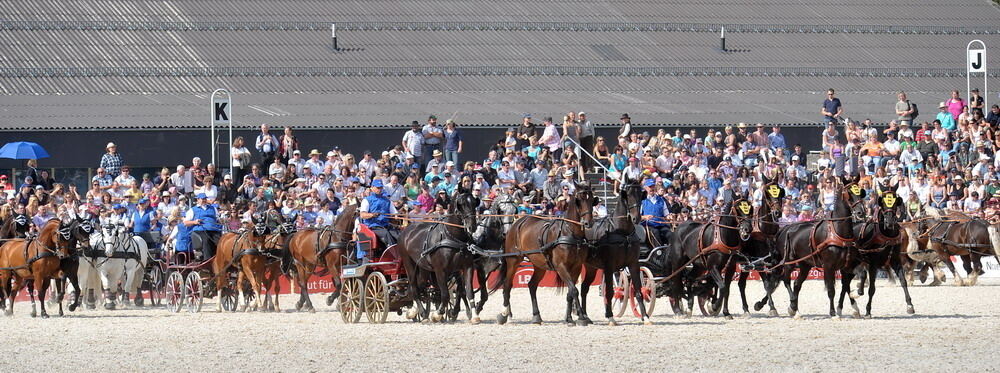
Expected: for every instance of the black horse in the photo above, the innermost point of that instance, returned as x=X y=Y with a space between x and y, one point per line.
x=827 y=243
x=756 y=253
x=489 y=236
x=878 y=242
x=700 y=251
x=615 y=244
x=442 y=251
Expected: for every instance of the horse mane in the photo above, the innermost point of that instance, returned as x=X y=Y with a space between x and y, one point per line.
x=47 y=233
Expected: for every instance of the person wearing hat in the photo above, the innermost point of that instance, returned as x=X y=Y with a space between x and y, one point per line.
x=626 y=129
x=437 y=162
x=433 y=137
x=314 y=162
x=142 y=221
x=374 y=211
x=112 y=161
x=654 y=214
x=413 y=141
x=203 y=220
x=945 y=117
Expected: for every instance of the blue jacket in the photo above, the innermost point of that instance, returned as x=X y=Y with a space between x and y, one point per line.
x=183 y=243
x=377 y=204
x=654 y=208
x=209 y=218
x=142 y=221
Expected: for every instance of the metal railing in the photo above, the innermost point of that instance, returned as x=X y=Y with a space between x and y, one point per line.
x=604 y=170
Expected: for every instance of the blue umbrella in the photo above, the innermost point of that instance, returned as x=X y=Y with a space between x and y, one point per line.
x=23 y=150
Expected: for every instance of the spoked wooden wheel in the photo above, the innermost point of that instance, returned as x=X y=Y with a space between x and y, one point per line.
x=230 y=299
x=351 y=306
x=193 y=292
x=648 y=292
x=155 y=285
x=174 y=291
x=618 y=301
x=376 y=298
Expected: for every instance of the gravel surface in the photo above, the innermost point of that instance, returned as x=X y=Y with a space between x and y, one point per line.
x=953 y=327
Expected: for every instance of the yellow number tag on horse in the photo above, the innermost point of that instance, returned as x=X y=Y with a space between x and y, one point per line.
x=855 y=190
x=889 y=200
x=774 y=191
x=744 y=207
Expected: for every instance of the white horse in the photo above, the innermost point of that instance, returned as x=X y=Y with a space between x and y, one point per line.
x=120 y=260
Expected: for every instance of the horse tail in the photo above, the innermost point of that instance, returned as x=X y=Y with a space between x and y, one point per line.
x=500 y=280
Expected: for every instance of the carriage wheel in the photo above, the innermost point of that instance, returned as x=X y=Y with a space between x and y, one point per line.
x=230 y=299
x=648 y=292
x=155 y=285
x=174 y=291
x=618 y=301
x=350 y=301
x=194 y=292
x=376 y=298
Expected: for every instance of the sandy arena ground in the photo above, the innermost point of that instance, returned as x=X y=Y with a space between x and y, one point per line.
x=954 y=328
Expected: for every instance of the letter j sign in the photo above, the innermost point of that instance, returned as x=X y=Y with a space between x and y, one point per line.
x=977 y=60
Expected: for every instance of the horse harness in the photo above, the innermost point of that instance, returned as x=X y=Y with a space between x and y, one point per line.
x=42 y=254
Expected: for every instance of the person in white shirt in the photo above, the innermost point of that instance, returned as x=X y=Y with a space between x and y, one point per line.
x=314 y=162
x=124 y=181
x=183 y=180
x=211 y=191
x=333 y=161
x=297 y=162
x=505 y=176
x=413 y=141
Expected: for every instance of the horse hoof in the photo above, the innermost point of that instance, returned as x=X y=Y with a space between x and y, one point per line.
x=330 y=299
x=537 y=320
x=612 y=322
x=501 y=319
x=772 y=313
x=934 y=283
x=586 y=321
x=425 y=321
x=867 y=317
x=583 y=322
x=758 y=306
x=91 y=306
x=34 y=314
x=797 y=316
x=45 y=315
x=746 y=315
x=437 y=317
x=311 y=309
x=109 y=306
x=475 y=321
x=856 y=315
x=729 y=317
x=791 y=312
x=647 y=322
x=72 y=307
x=835 y=318
x=909 y=310
x=8 y=313
x=411 y=314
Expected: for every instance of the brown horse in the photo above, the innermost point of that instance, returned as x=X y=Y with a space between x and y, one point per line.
x=969 y=238
x=36 y=259
x=324 y=247
x=254 y=264
x=550 y=243
x=228 y=258
x=915 y=247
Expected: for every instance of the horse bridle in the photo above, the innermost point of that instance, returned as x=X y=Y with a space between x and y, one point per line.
x=636 y=204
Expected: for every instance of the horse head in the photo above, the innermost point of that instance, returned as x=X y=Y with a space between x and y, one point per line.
x=63 y=237
x=855 y=195
x=464 y=207
x=584 y=201
x=772 y=198
x=82 y=230
x=742 y=210
x=109 y=236
x=260 y=228
x=21 y=224
x=630 y=196
x=890 y=208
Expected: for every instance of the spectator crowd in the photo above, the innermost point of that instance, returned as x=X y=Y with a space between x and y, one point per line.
x=942 y=159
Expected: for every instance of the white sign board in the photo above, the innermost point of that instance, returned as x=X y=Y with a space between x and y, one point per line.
x=977 y=61
x=221 y=111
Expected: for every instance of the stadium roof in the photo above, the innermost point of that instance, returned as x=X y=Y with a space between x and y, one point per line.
x=151 y=64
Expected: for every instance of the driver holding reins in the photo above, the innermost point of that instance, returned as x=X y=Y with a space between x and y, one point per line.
x=203 y=219
x=374 y=213
x=654 y=213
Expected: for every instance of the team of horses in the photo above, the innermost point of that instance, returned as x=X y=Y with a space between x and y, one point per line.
x=450 y=259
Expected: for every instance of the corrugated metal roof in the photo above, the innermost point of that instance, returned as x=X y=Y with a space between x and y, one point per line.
x=150 y=64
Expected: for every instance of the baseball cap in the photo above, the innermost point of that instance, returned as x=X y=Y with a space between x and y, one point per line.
x=648 y=183
x=201 y=196
x=377 y=183
x=227 y=177
x=297 y=152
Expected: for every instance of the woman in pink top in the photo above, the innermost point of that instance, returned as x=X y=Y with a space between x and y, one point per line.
x=955 y=105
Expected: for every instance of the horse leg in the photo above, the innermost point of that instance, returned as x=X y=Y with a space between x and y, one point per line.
x=847 y=276
x=30 y=284
x=794 y=289
x=939 y=275
x=572 y=295
x=741 y=284
x=609 y=293
x=60 y=286
x=972 y=265
x=536 y=277
x=862 y=273
x=899 y=268
x=588 y=278
x=954 y=272
x=444 y=296
x=14 y=289
x=830 y=281
x=871 y=292
x=730 y=270
x=42 y=288
x=508 y=283
x=75 y=281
